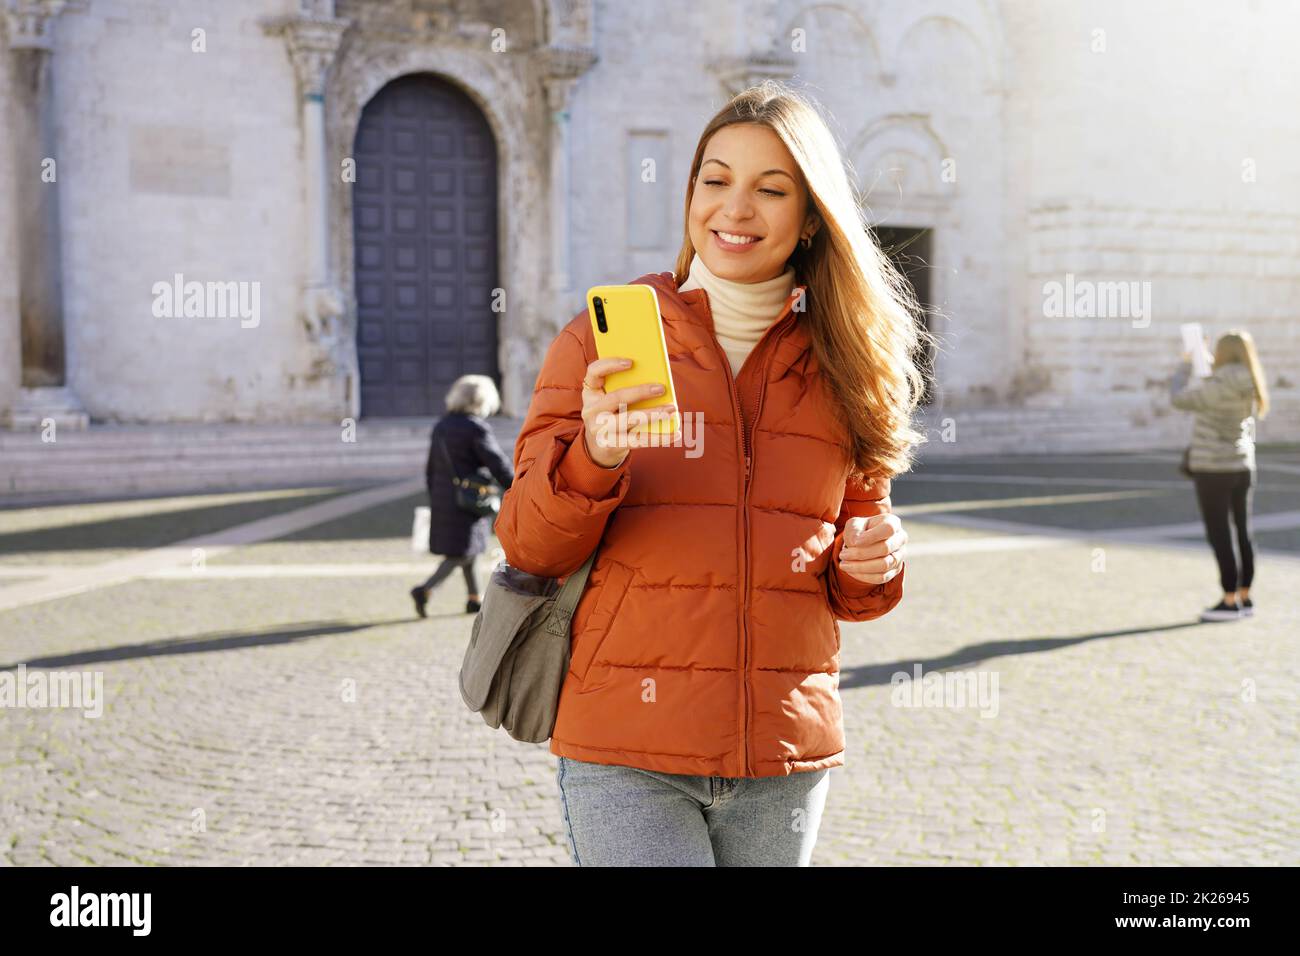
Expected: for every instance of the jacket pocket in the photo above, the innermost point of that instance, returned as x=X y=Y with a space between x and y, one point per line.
x=601 y=620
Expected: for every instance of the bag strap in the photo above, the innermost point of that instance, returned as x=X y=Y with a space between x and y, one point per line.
x=567 y=600
x=456 y=479
x=447 y=458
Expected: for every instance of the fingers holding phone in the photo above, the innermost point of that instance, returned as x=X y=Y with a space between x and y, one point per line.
x=627 y=327
x=608 y=433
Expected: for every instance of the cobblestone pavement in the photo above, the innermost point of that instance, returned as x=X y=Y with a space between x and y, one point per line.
x=287 y=717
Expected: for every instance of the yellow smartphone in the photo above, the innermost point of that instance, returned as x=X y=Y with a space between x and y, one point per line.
x=626 y=322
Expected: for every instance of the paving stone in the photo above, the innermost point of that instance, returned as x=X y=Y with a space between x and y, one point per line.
x=227 y=696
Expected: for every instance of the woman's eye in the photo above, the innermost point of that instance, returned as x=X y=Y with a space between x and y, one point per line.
x=718 y=182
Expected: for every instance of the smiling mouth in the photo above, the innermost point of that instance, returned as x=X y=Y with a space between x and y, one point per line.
x=736 y=238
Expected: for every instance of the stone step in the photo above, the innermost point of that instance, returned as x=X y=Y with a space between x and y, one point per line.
x=124 y=458
x=104 y=453
x=227 y=479
x=36 y=406
x=127 y=458
x=376 y=461
x=163 y=436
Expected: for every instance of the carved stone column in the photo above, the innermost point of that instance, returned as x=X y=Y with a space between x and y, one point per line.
x=44 y=393
x=761 y=52
x=313 y=38
x=739 y=73
x=561 y=68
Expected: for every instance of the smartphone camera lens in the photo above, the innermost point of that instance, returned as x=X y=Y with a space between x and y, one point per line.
x=600 y=314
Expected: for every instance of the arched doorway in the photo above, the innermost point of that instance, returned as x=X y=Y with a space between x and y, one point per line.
x=424 y=216
x=910 y=249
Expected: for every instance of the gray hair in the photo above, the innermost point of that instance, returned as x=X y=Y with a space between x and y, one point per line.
x=473 y=395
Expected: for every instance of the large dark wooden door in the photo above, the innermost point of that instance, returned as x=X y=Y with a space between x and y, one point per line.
x=424 y=220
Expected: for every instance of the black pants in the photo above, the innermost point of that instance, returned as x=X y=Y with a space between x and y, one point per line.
x=1221 y=494
x=449 y=565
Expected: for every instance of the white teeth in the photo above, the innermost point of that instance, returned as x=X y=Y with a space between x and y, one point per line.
x=736 y=240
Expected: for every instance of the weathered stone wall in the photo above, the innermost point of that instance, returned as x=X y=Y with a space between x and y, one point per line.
x=181 y=161
x=1030 y=154
x=10 y=336
x=1150 y=145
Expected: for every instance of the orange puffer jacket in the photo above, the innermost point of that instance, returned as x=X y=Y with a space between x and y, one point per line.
x=707 y=639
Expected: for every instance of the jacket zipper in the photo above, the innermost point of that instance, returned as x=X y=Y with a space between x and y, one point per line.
x=743 y=444
x=744 y=427
x=749 y=462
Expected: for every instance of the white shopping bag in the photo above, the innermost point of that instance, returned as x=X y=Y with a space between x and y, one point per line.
x=1194 y=342
x=420 y=529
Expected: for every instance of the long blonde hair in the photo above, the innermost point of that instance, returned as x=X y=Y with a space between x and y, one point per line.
x=1236 y=345
x=865 y=321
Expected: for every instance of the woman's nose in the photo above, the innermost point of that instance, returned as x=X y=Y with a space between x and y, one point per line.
x=738 y=210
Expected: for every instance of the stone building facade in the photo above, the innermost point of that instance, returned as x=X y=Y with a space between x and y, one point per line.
x=304 y=210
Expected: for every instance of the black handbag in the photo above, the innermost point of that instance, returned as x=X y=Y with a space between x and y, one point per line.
x=483 y=500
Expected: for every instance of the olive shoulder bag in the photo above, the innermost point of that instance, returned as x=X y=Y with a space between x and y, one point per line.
x=518 y=650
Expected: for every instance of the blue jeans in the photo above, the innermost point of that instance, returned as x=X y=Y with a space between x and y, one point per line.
x=625 y=816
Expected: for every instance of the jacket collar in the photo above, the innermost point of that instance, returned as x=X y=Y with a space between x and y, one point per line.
x=692 y=306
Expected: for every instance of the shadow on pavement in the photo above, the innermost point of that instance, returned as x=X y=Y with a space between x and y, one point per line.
x=158 y=530
x=202 y=645
x=874 y=675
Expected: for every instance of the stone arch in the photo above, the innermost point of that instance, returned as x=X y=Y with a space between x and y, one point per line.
x=427 y=250
x=897 y=162
x=910 y=140
x=954 y=35
x=796 y=14
x=359 y=75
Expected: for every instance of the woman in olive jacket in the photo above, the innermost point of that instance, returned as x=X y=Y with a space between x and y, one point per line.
x=1221 y=459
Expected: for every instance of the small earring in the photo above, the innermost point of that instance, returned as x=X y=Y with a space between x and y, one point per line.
x=806 y=242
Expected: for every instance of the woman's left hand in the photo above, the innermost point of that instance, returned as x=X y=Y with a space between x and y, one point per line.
x=874 y=548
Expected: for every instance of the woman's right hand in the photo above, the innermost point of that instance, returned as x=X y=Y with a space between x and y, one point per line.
x=608 y=443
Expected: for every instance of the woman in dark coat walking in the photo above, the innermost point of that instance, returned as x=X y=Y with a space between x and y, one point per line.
x=474 y=453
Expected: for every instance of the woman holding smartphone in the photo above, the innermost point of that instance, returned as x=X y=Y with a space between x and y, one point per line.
x=1221 y=459
x=701 y=716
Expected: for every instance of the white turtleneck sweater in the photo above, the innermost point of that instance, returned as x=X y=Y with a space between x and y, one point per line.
x=742 y=311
